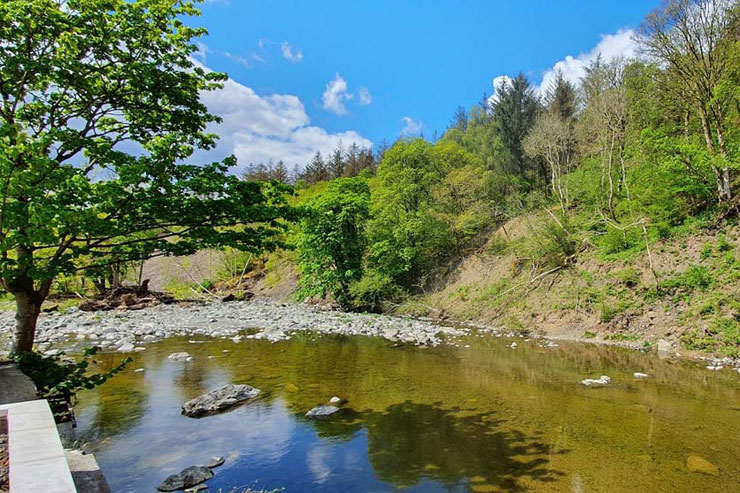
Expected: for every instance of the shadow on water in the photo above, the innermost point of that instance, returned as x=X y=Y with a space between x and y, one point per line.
x=409 y=442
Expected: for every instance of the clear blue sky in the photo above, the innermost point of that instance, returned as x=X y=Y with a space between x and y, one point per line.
x=417 y=59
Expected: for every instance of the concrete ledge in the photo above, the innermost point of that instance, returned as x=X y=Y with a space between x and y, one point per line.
x=36 y=457
x=86 y=473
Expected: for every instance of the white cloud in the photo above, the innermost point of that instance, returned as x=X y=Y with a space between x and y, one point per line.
x=411 y=127
x=237 y=59
x=619 y=44
x=498 y=83
x=364 y=95
x=291 y=54
x=336 y=95
x=258 y=128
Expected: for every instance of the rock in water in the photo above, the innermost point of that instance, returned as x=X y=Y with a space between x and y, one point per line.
x=187 y=478
x=219 y=399
x=596 y=382
x=322 y=412
x=215 y=462
x=639 y=375
x=178 y=356
x=701 y=465
x=335 y=400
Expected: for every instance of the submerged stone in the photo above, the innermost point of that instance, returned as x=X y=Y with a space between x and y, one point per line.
x=291 y=387
x=218 y=400
x=322 y=412
x=178 y=356
x=187 y=478
x=702 y=466
x=214 y=462
x=639 y=375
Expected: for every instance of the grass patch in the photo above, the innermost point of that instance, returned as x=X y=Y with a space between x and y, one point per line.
x=622 y=337
x=722 y=336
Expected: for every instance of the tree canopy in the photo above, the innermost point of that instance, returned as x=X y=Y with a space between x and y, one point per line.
x=100 y=110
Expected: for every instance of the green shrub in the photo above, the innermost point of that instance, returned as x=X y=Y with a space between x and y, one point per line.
x=723 y=336
x=608 y=313
x=696 y=277
x=374 y=291
x=616 y=240
x=629 y=277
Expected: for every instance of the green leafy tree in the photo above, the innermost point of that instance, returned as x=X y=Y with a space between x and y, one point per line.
x=697 y=41
x=412 y=228
x=99 y=107
x=331 y=243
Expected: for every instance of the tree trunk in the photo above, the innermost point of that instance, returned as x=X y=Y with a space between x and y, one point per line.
x=28 y=308
x=723 y=186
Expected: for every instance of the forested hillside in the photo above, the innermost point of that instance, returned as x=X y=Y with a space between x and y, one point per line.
x=589 y=192
x=599 y=207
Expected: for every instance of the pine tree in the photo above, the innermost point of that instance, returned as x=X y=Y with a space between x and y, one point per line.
x=351 y=158
x=336 y=162
x=459 y=119
x=316 y=170
x=561 y=97
x=280 y=172
x=514 y=113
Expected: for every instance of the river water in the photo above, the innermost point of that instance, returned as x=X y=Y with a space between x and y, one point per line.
x=483 y=418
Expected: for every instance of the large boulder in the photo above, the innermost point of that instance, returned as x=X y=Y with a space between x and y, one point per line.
x=218 y=400
x=187 y=478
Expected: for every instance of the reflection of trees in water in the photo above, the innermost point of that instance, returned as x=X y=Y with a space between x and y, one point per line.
x=408 y=441
x=119 y=406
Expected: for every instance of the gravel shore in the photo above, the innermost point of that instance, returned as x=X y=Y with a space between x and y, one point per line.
x=128 y=330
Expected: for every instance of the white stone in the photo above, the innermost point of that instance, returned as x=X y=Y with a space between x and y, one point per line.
x=178 y=356
x=598 y=382
x=639 y=375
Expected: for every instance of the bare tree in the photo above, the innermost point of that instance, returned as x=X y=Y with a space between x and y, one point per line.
x=603 y=123
x=551 y=140
x=690 y=38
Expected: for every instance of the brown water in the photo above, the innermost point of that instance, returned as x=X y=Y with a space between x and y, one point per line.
x=485 y=418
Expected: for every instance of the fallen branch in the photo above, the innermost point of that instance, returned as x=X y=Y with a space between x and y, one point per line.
x=530 y=281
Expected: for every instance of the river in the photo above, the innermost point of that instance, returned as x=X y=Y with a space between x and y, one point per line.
x=481 y=418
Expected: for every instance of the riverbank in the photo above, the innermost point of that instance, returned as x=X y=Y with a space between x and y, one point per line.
x=131 y=330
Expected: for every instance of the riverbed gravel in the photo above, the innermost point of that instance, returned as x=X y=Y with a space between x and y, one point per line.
x=131 y=330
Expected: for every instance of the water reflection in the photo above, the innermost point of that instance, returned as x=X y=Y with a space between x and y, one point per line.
x=408 y=441
x=482 y=419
